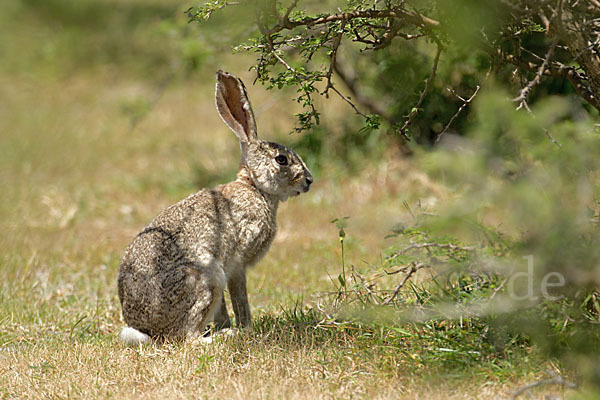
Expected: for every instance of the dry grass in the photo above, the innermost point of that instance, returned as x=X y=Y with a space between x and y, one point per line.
x=240 y=371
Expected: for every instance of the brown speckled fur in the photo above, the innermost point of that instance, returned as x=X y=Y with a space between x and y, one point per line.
x=172 y=275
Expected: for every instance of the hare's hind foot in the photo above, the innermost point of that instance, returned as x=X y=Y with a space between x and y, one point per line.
x=132 y=337
x=208 y=304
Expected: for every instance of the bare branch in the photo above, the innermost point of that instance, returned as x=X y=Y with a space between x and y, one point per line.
x=498 y=288
x=522 y=98
x=334 y=48
x=350 y=83
x=552 y=138
x=282 y=61
x=415 y=109
x=365 y=285
x=463 y=105
x=286 y=17
x=347 y=100
x=555 y=69
x=555 y=379
x=409 y=272
x=429 y=245
x=581 y=89
x=386 y=39
x=358 y=37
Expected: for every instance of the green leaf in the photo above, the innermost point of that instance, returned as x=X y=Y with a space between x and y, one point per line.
x=340 y=223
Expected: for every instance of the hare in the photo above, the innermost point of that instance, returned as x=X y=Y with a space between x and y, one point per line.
x=172 y=275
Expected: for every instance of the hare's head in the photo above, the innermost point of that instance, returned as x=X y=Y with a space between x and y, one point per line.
x=273 y=168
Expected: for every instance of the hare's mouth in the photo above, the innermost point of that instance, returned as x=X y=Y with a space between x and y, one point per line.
x=303 y=189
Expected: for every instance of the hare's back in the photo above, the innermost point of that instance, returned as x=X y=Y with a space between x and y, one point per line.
x=183 y=232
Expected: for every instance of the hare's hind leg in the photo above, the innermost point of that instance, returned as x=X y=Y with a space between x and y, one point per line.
x=209 y=297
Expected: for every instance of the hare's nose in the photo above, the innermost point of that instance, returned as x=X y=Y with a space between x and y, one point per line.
x=309 y=180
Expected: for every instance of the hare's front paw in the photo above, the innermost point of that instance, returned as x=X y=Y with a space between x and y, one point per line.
x=217 y=336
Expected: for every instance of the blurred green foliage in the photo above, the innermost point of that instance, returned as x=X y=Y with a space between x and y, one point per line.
x=535 y=178
x=79 y=34
x=147 y=39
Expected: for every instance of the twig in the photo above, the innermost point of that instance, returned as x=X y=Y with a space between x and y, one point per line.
x=552 y=139
x=322 y=310
x=347 y=100
x=497 y=289
x=413 y=268
x=156 y=96
x=429 y=245
x=274 y=52
x=350 y=83
x=283 y=62
x=415 y=109
x=522 y=98
x=463 y=105
x=288 y=42
x=403 y=269
x=271 y=48
x=365 y=285
x=334 y=48
x=390 y=33
x=555 y=379
x=286 y=16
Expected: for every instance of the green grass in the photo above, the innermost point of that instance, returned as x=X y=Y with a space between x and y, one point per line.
x=79 y=180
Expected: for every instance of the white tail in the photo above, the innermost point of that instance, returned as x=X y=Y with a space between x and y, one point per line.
x=132 y=337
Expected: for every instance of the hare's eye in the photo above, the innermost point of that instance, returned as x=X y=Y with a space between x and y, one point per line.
x=281 y=159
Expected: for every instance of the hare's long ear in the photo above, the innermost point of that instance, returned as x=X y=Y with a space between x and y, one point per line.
x=234 y=107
